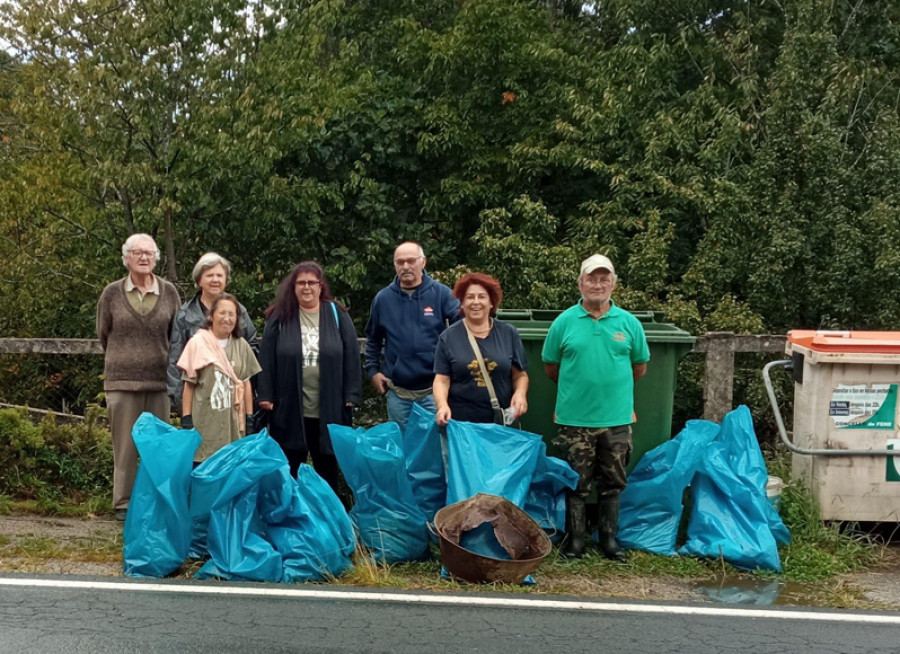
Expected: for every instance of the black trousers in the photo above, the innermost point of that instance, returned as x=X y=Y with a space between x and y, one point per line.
x=324 y=464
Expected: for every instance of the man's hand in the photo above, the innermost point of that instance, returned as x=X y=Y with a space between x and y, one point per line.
x=266 y=406
x=380 y=382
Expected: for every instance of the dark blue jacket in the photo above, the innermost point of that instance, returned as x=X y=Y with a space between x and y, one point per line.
x=404 y=328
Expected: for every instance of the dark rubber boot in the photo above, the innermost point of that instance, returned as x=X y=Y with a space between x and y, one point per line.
x=574 y=546
x=607 y=525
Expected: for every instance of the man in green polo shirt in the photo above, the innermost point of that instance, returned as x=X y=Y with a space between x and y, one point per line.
x=595 y=351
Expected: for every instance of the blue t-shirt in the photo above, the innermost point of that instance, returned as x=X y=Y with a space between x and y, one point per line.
x=502 y=349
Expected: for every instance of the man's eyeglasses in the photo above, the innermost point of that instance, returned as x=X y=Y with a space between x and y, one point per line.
x=400 y=263
x=592 y=281
x=306 y=284
x=138 y=254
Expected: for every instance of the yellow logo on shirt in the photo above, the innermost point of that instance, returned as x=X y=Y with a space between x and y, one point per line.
x=619 y=336
x=475 y=371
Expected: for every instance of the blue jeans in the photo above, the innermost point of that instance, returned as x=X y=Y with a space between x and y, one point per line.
x=398 y=409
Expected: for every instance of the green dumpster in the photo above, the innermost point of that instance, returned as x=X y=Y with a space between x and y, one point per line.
x=654 y=393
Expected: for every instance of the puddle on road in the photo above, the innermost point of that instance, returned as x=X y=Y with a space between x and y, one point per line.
x=756 y=592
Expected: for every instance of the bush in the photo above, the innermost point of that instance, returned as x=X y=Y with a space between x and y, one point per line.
x=53 y=463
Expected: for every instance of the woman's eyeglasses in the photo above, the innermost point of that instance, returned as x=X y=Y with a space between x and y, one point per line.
x=306 y=284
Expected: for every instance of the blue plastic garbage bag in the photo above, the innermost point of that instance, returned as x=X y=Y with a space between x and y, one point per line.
x=742 y=447
x=314 y=534
x=546 y=500
x=227 y=488
x=233 y=469
x=157 y=530
x=199 y=531
x=488 y=458
x=227 y=468
x=386 y=514
x=425 y=461
x=651 y=504
x=239 y=545
x=482 y=540
x=730 y=513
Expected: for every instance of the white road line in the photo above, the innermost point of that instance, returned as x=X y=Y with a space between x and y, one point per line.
x=462 y=600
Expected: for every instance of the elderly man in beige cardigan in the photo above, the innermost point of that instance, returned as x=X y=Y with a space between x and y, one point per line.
x=134 y=316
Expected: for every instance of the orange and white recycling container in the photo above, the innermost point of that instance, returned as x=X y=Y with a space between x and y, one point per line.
x=846 y=422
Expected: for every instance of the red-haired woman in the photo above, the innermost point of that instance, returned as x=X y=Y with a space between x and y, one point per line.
x=460 y=390
x=311 y=375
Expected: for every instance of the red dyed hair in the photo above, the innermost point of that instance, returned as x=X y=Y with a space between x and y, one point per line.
x=491 y=285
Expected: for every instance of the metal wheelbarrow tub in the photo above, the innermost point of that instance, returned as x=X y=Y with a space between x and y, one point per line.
x=518 y=534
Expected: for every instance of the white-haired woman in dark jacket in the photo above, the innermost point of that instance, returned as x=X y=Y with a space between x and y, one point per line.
x=211 y=275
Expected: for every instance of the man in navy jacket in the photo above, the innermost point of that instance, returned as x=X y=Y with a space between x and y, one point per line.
x=406 y=319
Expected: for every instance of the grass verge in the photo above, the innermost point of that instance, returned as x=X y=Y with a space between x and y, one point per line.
x=818 y=550
x=90 y=507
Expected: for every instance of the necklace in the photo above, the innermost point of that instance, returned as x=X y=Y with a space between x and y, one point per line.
x=481 y=331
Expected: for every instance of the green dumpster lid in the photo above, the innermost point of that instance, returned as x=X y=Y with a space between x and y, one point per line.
x=534 y=323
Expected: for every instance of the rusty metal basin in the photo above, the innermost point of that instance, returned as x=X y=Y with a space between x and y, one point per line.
x=518 y=534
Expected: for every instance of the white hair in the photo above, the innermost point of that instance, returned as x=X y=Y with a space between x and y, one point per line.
x=207 y=261
x=128 y=246
x=418 y=246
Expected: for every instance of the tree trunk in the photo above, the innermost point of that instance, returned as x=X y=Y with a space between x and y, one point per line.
x=171 y=268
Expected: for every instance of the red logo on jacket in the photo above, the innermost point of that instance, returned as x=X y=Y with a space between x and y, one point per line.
x=429 y=311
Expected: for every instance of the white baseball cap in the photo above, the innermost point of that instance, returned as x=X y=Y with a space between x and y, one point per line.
x=594 y=262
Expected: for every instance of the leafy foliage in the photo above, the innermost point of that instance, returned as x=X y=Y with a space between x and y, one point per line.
x=739 y=161
x=52 y=463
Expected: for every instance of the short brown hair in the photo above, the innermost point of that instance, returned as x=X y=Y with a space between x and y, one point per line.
x=491 y=285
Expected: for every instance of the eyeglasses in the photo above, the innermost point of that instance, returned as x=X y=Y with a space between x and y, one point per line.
x=138 y=254
x=591 y=281
x=306 y=284
x=400 y=263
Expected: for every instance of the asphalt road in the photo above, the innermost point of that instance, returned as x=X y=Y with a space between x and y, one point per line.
x=60 y=616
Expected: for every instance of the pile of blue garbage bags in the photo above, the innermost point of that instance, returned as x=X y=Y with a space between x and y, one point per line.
x=243 y=512
x=241 y=508
x=730 y=515
x=254 y=522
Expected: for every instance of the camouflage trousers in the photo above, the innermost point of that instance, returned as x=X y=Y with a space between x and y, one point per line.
x=598 y=455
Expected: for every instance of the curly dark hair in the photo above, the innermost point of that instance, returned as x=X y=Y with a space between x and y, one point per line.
x=491 y=285
x=285 y=308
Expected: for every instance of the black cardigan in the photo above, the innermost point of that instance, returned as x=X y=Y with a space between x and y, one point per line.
x=281 y=379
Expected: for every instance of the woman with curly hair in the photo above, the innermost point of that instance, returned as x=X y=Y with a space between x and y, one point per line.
x=461 y=390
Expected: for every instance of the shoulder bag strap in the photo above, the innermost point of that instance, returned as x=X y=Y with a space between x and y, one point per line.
x=495 y=404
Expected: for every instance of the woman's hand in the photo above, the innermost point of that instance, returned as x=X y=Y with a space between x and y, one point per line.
x=519 y=404
x=441 y=390
x=519 y=399
x=443 y=415
x=267 y=406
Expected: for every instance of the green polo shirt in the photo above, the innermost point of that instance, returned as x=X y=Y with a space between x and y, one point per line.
x=595 y=358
